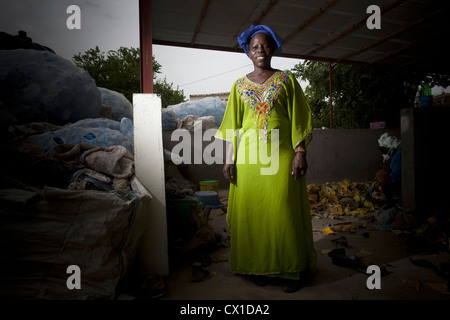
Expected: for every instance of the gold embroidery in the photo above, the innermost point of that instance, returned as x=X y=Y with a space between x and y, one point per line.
x=261 y=97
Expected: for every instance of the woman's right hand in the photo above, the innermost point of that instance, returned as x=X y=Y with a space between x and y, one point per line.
x=229 y=171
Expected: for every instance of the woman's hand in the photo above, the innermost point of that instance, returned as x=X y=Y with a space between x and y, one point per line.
x=229 y=171
x=299 y=165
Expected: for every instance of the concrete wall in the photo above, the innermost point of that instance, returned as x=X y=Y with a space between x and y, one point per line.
x=333 y=155
x=425 y=173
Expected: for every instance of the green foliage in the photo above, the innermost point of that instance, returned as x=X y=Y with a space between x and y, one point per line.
x=361 y=94
x=120 y=71
x=169 y=96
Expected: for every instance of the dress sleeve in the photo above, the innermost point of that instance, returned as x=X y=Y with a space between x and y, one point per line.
x=299 y=113
x=232 y=119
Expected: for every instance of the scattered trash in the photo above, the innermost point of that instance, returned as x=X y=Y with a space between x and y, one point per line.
x=327 y=231
x=342 y=241
x=339 y=258
x=362 y=253
x=153 y=287
x=331 y=200
x=351 y=203
x=346 y=226
x=224 y=240
x=432 y=236
x=422 y=263
x=199 y=273
x=209 y=198
x=443 y=270
x=441 y=287
x=395 y=219
x=219 y=258
x=224 y=210
x=417 y=285
x=205 y=236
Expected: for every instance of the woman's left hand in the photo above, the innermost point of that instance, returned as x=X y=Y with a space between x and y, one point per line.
x=299 y=165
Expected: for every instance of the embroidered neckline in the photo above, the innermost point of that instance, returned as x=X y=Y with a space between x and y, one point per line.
x=261 y=97
x=265 y=81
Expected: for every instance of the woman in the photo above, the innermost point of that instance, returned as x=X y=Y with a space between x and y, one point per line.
x=268 y=208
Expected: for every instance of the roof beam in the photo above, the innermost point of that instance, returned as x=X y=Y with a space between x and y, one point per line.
x=350 y=30
x=265 y=12
x=391 y=55
x=393 y=34
x=396 y=53
x=230 y=49
x=200 y=21
x=310 y=20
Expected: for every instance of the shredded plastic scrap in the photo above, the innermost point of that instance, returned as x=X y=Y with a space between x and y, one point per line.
x=333 y=199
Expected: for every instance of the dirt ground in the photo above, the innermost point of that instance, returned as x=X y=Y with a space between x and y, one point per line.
x=208 y=276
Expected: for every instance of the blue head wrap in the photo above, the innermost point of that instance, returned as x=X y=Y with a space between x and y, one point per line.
x=247 y=35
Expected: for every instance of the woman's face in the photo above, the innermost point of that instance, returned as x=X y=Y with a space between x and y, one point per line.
x=261 y=50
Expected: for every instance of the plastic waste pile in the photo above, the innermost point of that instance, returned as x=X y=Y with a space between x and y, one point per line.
x=55 y=113
x=57 y=144
x=334 y=199
x=100 y=132
x=40 y=86
x=390 y=142
x=169 y=120
x=120 y=106
x=364 y=202
x=199 y=108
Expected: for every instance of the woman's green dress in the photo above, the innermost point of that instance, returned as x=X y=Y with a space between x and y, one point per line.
x=268 y=211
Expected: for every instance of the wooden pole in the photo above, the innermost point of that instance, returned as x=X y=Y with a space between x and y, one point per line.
x=145 y=39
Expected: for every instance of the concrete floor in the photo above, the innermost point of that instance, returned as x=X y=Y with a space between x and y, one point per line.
x=404 y=280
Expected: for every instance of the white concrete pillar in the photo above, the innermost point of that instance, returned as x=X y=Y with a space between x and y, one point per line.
x=149 y=168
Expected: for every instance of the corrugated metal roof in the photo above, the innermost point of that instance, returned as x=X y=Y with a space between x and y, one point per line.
x=413 y=32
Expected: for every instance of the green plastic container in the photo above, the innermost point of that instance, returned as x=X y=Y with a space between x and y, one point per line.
x=209 y=185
